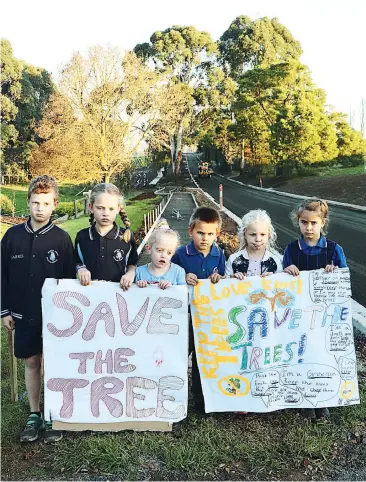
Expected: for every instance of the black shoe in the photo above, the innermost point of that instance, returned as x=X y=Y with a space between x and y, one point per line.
x=50 y=434
x=308 y=413
x=34 y=424
x=322 y=414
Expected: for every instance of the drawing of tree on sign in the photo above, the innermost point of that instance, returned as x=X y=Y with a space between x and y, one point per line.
x=281 y=298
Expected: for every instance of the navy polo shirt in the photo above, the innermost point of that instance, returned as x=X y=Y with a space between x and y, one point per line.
x=339 y=259
x=192 y=261
x=106 y=257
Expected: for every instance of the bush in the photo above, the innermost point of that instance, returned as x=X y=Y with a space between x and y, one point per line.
x=351 y=161
x=6 y=206
x=68 y=208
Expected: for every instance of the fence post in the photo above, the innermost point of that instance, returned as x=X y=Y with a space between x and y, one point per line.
x=75 y=209
x=12 y=368
x=85 y=206
x=148 y=220
x=145 y=224
x=220 y=195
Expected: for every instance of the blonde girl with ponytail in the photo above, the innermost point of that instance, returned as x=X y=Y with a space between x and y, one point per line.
x=105 y=251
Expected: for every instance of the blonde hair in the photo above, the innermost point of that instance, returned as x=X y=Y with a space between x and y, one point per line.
x=253 y=216
x=162 y=229
x=108 y=188
x=317 y=206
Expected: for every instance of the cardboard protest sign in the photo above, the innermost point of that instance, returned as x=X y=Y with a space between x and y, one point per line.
x=112 y=356
x=276 y=342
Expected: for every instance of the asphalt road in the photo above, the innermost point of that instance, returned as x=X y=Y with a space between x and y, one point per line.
x=347 y=227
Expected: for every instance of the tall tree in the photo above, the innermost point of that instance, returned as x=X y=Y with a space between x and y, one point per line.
x=183 y=54
x=11 y=87
x=116 y=101
x=257 y=43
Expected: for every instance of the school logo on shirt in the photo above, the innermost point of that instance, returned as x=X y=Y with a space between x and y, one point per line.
x=52 y=256
x=118 y=255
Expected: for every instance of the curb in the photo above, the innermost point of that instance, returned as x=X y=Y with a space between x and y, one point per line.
x=358 y=311
x=355 y=207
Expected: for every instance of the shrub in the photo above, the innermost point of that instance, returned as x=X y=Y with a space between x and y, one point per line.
x=6 y=206
x=68 y=208
x=352 y=161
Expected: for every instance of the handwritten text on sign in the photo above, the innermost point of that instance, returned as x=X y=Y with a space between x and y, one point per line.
x=113 y=356
x=277 y=342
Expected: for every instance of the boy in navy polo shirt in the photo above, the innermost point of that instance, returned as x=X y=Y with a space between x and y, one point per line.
x=201 y=259
x=32 y=252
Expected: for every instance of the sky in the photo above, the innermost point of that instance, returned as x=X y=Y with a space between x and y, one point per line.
x=45 y=33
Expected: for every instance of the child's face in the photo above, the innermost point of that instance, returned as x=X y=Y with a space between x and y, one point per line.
x=310 y=224
x=41 y=206
x=257 y=236
x=162 y=250
x=204 y=235
x=105 y=209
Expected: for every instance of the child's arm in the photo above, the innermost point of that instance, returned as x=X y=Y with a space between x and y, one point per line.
x=127 y=279
x=68 y=269
x=288 y=267
x=83 y=274
x=215 y=277
x=8 y=320
x=141 y=283
x=338 y=261
x=229 y=272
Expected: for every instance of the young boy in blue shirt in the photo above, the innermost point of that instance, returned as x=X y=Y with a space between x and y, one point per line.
x=201 y=259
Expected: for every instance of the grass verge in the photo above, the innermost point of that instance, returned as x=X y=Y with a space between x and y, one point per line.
x=278 y=445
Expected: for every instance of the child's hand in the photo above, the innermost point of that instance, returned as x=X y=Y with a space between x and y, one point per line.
x=330 y=268
x=8 y=322
x=84 y=276
x=127 y=280
x=267 y=273
x=164 y=284
x=142 y=283
x=240 y=276
x=191 y=279
x=292 y=269
x=215 y=278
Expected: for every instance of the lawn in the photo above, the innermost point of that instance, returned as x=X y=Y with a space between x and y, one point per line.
x=278 y=445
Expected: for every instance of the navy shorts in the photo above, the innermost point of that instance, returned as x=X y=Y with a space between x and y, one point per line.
x=27 y=339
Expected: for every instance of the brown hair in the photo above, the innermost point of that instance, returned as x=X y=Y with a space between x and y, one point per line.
x=318 y=206
x=43 y=185
x=205 y=215
x=108 y=188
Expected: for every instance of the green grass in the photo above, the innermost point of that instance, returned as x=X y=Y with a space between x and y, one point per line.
x=216 y=447
x=334 y=171
x=68 y=192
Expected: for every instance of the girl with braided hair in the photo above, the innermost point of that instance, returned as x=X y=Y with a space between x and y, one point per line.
x=105 y=251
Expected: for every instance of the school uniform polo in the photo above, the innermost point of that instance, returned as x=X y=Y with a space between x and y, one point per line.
x=192 y=261
x=28 y=258
x=106 y=257
x=307 y=258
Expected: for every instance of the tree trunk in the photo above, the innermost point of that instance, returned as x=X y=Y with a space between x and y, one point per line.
x=178 y=149
x=172 y=152
x=242 y=160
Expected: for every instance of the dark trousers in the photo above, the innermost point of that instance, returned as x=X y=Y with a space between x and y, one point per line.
x=196 y=379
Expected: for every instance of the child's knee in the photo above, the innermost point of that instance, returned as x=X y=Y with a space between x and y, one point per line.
x=33 y=362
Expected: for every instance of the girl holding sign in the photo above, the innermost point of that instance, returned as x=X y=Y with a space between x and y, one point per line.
x=160 y=271
x=105 y=251
x=257 y=254
x=312 y=251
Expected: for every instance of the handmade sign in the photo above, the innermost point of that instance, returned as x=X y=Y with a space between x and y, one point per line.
x=276 y=342
x=114 y=356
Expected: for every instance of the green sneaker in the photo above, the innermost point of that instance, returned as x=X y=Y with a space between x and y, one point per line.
x=31 y=430
x=308 y=414
x=50 y=434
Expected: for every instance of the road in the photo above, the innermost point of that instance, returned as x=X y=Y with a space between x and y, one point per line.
x=346 y=227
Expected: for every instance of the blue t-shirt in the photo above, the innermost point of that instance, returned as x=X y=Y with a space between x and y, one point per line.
x=175 y=275
x=192 y=261
x=339 y=258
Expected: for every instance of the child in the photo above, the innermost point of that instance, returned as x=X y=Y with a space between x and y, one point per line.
x=104 y=251
x=201 y=259
x=257 y=253
x=312 y=251
x=161 y=246
x=32 y=252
